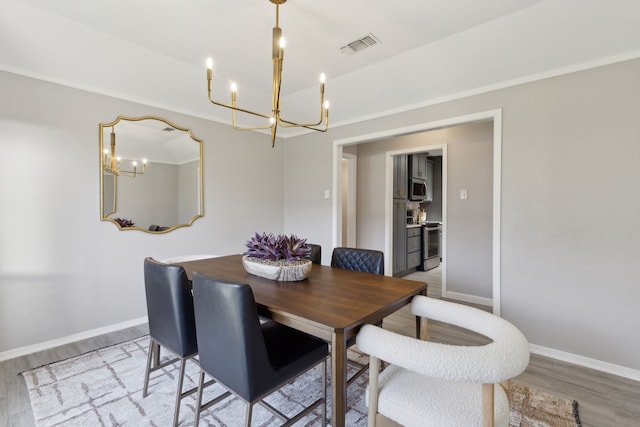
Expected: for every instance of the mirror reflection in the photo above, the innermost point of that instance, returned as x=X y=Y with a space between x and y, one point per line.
x=151 y=174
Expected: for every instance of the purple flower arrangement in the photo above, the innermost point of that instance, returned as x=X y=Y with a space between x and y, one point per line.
x=123 y=222
x=280 y=248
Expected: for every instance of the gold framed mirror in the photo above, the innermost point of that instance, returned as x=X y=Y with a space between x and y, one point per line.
x=150 y=174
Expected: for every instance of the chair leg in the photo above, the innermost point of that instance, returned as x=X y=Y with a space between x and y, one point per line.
x=150 y=352
x=176 y=411
x=249 y=413
x=487 y=405
x=196 y=421
x=324 y=393
x=374 y=370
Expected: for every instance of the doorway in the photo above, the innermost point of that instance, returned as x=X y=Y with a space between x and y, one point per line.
x=494 y=116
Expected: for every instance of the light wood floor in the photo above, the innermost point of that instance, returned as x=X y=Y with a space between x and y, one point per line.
x=604 y=400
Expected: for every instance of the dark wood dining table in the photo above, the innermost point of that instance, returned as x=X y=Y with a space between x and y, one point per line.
x=331 y=304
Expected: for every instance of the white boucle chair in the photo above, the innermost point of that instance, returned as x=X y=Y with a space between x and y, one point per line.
x=432 y=384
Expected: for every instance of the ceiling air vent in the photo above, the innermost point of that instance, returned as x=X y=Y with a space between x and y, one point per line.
x=360 y=44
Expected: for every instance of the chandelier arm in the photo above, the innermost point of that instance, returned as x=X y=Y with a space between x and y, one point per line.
x=233 y=117
x=289 y=124
x=310 y=127
x=252 y=127
x=323 y=115
x=242 y=110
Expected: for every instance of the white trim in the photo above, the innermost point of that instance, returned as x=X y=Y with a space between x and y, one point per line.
x=575 y=359
x=352 y=171
x=495 y=115
x=497 y=208
x=468 y=298
x=445 y=204
x=336 y=215
x=23 y=351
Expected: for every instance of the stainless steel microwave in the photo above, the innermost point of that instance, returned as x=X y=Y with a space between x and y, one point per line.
x=417 y=190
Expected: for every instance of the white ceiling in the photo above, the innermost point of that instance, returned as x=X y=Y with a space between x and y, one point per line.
x=154 y=51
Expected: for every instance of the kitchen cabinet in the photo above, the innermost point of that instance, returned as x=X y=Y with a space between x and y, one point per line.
x=399 y=236
x=400 y=177
x=418 y=166
x=429 y=176
x=414 y=245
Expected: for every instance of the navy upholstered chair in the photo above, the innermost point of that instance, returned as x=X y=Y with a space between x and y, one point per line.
x=316 y=253
x=249 y=358
x=171 y=322
x=365 y=260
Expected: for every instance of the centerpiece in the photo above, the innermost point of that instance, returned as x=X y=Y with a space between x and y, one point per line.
x=280 y=257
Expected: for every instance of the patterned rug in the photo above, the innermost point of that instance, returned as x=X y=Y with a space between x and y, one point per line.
x=534 y=408
x=104 y=388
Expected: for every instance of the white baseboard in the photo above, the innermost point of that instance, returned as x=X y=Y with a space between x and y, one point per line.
x=469 y=298
x=599 y=365
x=23 y=351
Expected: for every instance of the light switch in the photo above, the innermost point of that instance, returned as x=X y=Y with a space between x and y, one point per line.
x=326 y=194
x=463 y=194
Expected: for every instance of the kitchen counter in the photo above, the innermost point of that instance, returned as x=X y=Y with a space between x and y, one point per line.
x=426 y=223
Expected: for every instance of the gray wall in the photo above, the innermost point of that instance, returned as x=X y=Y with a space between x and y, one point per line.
x=570 y=204
x=65 y=272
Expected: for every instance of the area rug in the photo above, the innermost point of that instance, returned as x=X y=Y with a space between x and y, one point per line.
x=533 y=408
x=104 y=388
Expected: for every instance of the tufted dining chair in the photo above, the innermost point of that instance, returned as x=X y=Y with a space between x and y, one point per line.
x=366 y=261
x=354 y=259
x=441 y=385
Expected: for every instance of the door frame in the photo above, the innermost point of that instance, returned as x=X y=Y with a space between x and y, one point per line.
x=352 y=172
x=338 y=144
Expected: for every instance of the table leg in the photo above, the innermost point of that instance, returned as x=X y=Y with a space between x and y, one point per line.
x=422 y=331
x=338 y=379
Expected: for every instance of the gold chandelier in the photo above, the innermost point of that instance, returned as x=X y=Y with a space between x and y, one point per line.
x=112 y=163
x=274 y=118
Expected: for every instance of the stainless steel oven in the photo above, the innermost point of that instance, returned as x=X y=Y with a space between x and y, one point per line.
x=431 y=246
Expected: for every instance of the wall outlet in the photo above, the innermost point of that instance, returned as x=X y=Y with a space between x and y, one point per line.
x=463 y=194
x=326 y=194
